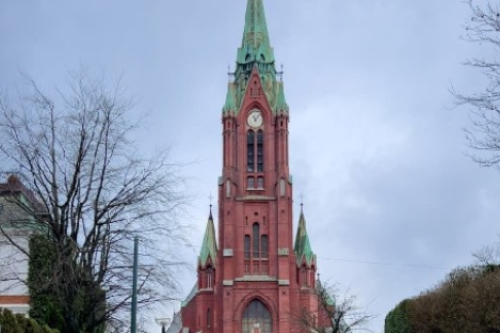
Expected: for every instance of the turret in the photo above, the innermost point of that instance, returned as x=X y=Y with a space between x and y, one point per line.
x=306 y=259
x=208 y=256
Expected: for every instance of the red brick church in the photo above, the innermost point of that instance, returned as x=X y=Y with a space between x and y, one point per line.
x=256 y=277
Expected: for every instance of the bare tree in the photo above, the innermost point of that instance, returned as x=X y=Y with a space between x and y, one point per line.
x=483 y=136
x=489 y=255
x=335 y=313
x=92 y=191
x=468 y=300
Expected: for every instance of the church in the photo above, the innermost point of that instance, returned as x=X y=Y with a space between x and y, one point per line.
x=256 y=277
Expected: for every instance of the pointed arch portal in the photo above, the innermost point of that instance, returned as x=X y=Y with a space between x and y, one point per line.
x=256 y=318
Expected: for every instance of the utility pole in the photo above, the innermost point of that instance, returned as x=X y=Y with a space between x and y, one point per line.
x=133 y=319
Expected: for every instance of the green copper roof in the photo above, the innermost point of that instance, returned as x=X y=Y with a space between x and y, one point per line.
x=191 y=295
x=281 y=104
x=302 y=246
x=255 y=45
x=255 y=52
x=209 y=246
x=230 y=105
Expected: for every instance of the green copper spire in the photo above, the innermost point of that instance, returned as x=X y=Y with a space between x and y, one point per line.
x=230 y=105
x=255 y=45
x=209 y=246
x=255 y=53
x=302 y=248
x=281 y=104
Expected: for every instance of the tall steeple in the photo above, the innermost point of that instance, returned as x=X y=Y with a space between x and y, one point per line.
x=255 y=53
x=253 y=278
x=255 y=46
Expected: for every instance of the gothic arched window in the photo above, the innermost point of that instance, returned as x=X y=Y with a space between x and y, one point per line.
x=260 y=151
x=260 y=182
x=303 y=276
x=264 y=246
x=210 y=277
x=256 y=237
x=250 y=151
x=256 y=315
x=247 y=247
x=228 y=188
x=282 y=187
x=250 y=182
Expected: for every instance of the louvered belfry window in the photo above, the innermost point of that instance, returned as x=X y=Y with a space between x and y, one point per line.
x=251 y=151
x=255 y=151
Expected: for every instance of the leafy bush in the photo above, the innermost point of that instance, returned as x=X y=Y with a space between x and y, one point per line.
x=397 y=320
x=9 y=322
x=18 y=323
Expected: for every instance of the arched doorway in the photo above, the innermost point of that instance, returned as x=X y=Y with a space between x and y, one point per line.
x=256 y=316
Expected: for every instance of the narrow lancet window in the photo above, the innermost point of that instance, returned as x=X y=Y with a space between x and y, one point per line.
x=250 y=151
x=228 y=188
x=260 y=151
x=282 y=187
x=250 y=182
x=265 y=246
x=260 y=182
x=210 y=278
x=256 y=238
x=247 y=247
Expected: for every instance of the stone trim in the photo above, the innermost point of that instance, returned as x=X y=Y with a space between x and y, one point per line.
x=256 y=278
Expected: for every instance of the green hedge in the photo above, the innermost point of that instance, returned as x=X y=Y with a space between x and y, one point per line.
x=397 y=320
x=72 y=303
x=20 y=324
x=44 y=304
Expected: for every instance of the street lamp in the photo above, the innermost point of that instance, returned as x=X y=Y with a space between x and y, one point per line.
x=163 y=322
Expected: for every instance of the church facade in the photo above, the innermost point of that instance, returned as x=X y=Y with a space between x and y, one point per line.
x=257 y=277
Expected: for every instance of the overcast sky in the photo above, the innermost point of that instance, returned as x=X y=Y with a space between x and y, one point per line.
x=391 y=200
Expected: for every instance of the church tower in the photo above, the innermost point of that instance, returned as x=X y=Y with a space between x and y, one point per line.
x=255 y=279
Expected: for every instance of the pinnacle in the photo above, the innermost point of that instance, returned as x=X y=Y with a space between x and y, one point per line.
x=255 y=46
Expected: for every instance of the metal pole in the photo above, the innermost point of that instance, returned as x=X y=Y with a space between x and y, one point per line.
x=134 y=287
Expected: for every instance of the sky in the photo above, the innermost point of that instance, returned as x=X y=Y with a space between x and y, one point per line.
x=377 y=147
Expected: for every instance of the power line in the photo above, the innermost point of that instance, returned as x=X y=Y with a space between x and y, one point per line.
x=374 y=263
x=377 y=263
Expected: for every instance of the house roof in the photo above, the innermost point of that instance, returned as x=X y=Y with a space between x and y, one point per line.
x=15 y=186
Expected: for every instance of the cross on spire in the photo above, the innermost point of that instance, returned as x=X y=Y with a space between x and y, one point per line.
x=280 y=73
x=210 y=197
x=301 y=196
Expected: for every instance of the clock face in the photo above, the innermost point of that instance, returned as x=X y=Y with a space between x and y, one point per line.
x=254 y=118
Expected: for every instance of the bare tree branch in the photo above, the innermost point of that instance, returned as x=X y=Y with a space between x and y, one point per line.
x=336 y=313
x=95 y=190
x=483 y=136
